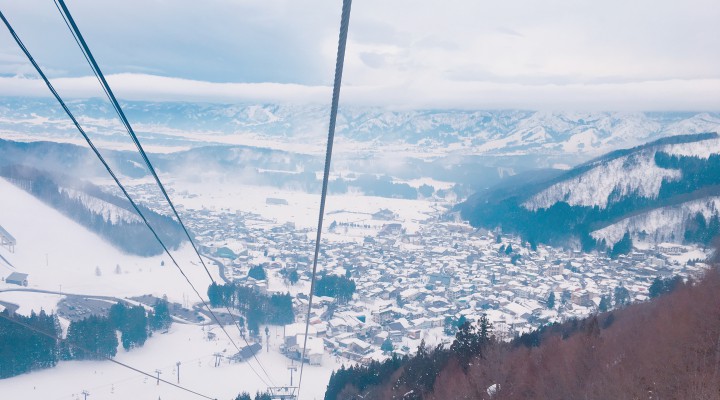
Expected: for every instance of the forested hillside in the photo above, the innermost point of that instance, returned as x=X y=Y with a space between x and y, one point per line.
x=666 y=348
x=111 y=217
x=595 y=195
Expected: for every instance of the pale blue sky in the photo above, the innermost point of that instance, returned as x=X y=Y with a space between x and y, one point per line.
x=614 y=54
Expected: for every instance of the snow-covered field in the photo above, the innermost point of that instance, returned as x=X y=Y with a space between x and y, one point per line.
x=302 y=208
x=186 y=344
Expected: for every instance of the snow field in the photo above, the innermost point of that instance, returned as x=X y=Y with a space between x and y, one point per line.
x=58 y=253
x=302 y=208
x=184 y=343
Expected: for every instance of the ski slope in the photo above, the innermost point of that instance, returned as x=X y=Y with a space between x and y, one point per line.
x=61 y=255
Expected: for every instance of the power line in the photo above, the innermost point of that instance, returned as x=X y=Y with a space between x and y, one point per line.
x=70 y=22
x=85 y=349
x=344 y=23
x=117 y=181
x=85 y=49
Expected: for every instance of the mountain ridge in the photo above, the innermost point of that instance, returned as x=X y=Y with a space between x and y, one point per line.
x=604 y=191
x=440 y=131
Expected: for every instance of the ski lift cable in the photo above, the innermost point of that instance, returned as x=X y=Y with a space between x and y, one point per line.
x=111 y=359
x=342 y=41
x=85 y=49
x=117 y=181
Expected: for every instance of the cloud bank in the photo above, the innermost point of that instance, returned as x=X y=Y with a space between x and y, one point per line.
x=555 y=54
x=673 y=95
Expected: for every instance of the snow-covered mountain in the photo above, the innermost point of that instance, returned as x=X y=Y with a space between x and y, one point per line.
x=665 y=190
x=611 y=180
x=433 y=132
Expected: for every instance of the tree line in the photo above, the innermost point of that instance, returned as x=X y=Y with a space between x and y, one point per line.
x=633 y=352
x=411 y=375
x=258 y=308
x=131 y=237
x=562 y=223
x=24 y=349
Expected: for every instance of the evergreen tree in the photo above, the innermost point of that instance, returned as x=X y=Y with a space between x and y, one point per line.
x=387 y=346
x=132 y=323
x=469 y=343
x=335 y=286
x=551 y=300
x=257 y=272
x=92 y=338
x=622 y=296
x=215 y=295
x=484 y=329
x=161 y=318
x=656 y=288
x=624 y=246
x=604 y=303
x=293 y=277
x=22 y=349
x=661 y=286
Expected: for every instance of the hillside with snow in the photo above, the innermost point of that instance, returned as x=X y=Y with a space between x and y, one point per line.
x=636 y=173
x=111 y=217
x=665 y=224
x=661 y=191
x=58 y=253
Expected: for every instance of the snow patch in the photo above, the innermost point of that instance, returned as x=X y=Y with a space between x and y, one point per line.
x=108 y=211
x=665 y=224
x=636 y=173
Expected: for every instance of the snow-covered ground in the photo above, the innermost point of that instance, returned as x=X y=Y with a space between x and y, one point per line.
x=301 y=208
x=636 y=173
x=186 y=344
x=60 y=255
x=666 y=224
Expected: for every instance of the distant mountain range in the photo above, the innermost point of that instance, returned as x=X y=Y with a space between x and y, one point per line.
x=522 y=155
x=430 y=132
x=666 y=190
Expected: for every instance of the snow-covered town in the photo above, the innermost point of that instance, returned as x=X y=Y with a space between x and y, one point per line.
x=416 y=277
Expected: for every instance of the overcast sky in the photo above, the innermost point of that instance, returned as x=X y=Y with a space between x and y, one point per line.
x=552 y=54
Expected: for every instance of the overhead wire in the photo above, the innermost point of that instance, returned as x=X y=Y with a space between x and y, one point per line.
x=117 y=181
x=106 y=357
x=79 y=39
x=342 y=41
x=85 y=49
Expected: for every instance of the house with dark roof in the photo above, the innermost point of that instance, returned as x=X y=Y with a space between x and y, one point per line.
x=17 y=278
x=246 y=352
